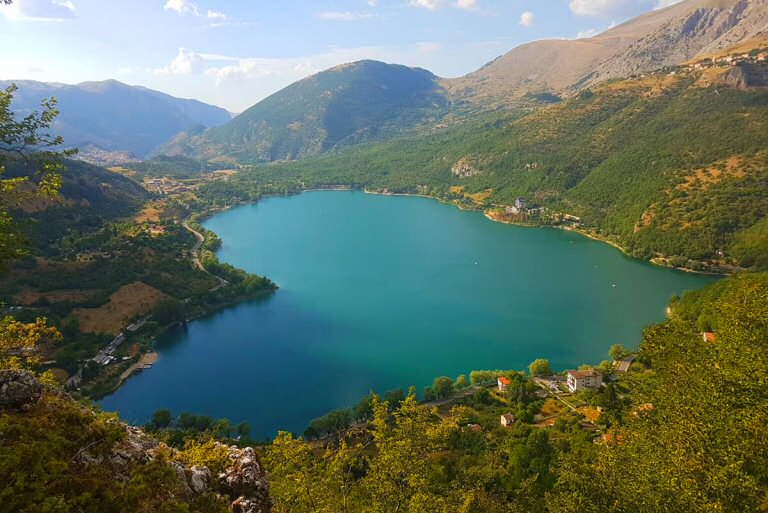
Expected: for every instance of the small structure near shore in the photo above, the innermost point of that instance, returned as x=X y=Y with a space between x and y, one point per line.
x=507 y=420
x=503 y=383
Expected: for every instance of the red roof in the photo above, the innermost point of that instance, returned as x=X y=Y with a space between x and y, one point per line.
x=710 y=337
x=504 y=381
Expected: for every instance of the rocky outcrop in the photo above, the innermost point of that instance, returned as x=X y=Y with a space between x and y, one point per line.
x=19 y=390
x=747 y=76
x=246 y=480
x=464 y=168
x=243 y=482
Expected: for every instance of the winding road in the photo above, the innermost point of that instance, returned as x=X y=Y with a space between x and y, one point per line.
x=196 y=257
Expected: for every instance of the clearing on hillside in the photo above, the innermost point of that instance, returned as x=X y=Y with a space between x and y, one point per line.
x=131 y=300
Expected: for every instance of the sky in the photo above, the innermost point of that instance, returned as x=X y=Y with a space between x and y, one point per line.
x=233 y=53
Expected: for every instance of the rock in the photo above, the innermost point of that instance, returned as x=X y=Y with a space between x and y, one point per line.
x=244 y=505
x=747 y=76
x=246 y=479
x=19 y=390
x=198 y=479
x=464 y=169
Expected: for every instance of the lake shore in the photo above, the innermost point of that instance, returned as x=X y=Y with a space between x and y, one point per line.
x=660 y=261
x=334 y=302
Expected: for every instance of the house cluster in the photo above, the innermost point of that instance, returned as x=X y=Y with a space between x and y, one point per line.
x=165 y=186
x=731 y=60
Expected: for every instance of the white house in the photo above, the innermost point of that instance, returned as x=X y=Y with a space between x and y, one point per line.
x=503 y=383
x=579 y=380
x=507 y=419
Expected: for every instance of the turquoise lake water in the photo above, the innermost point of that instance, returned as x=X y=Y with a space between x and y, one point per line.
x=379 y=292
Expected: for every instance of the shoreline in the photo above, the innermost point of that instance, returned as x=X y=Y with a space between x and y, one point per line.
x=151 y=358
x=580 y=231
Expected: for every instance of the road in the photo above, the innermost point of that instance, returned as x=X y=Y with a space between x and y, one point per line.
x=196 y=257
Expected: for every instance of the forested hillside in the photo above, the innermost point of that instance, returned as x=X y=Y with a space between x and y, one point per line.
x=348 y=104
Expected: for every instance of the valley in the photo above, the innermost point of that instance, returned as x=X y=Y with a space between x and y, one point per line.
x=539 y=284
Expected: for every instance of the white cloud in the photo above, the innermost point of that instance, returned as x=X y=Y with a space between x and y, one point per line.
x=434 y=5
x=187 y=7
x=527 y=19
x=373 y=3
x=467 y=5
x=216 y=15
x=186 y=62
x=39 y=10
x=182 y=7
x=431 y=5
x=586 y=34
x=344 y=15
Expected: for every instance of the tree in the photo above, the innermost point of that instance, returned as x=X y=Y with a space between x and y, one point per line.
x=617 y=352
x=540 y=367
x=363 y=409
x=429 y=394
x=442 y=386
x=187 y=420
x=162 y=418
x=243 y=429
x=27 y=145
x=394 y=397
x=461 y=382
x=223 y=427
x=20 y=341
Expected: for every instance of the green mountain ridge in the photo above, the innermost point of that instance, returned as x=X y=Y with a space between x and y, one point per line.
x=353 y=103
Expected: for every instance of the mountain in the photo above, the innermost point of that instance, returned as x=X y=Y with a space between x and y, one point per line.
x=115 y=117
x=345 y=105
x=660 y=38
x=368 y=101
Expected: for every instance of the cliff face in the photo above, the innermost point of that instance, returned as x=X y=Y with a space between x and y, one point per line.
x=684 y=31
x=747 y=76
x=55 y=447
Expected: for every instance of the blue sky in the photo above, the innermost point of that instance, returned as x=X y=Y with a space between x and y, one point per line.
x=234 y=53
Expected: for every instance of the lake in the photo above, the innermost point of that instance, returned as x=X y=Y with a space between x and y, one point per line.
x=379 y=292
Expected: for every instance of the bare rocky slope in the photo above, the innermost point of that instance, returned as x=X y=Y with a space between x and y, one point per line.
x=660 y=38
